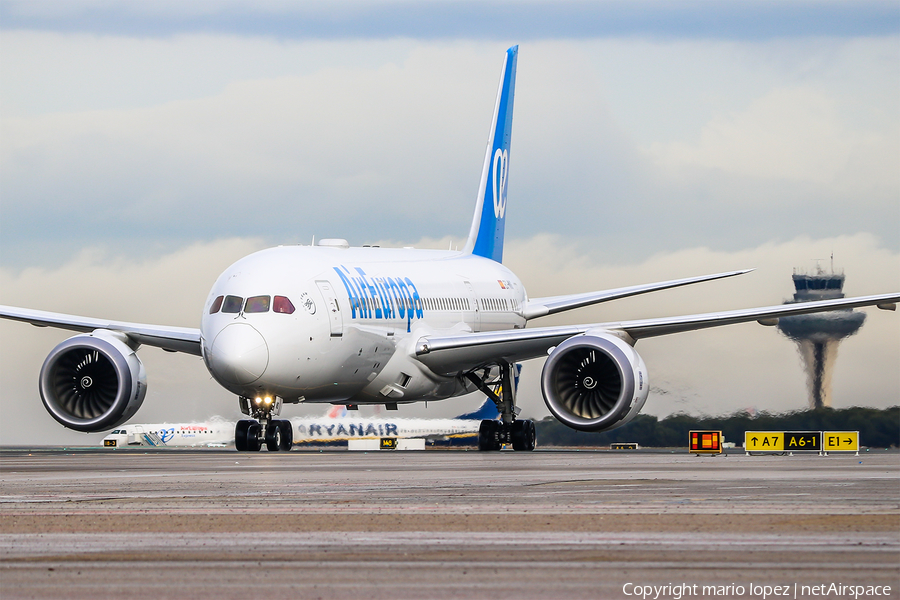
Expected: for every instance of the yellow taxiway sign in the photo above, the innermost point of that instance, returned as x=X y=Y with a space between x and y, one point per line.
x=764 y=441
x=840 y=441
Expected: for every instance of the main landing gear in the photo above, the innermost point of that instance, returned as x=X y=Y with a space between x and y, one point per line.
x=251 y=434
x=508 y=430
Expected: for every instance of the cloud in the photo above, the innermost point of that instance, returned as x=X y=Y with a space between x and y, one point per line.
x=788 y=134
x=350 y=137
x=714 y=371
x=496 y=19
x=604 y=146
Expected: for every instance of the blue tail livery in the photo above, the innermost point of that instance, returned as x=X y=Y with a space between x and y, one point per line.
x=487 y=410
x=486 y=234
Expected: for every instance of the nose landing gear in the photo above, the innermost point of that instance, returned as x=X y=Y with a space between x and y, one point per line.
x=250 y=434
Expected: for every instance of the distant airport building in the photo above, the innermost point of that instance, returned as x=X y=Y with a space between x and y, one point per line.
x=818 y=334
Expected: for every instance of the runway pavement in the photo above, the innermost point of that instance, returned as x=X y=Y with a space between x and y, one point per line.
x=446 y=524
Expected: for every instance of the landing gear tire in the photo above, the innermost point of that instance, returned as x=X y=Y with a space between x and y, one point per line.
x=241 y=435
x=488 y=439
x=523 y=435
x=287 y=435
x=253 y=442
x=273 y=436
x=279 y=436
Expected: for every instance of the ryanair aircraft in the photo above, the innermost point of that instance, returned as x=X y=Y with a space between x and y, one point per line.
x=341 y=325
x=337 y=427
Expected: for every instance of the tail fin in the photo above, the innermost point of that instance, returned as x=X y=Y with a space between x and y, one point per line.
x=488 y=410
x=338 y=411
x=486 y=234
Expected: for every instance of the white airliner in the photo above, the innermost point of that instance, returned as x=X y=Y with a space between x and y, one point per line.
x=341 y=325
x=214 y=434
x=335 y=427
x=340 y=426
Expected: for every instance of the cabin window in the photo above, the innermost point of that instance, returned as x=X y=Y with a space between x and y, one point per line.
x=283 y=305
x=216 y=305
x=257 y=304
x=232 y=304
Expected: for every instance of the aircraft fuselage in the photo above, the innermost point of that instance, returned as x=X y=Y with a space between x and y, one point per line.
x=338 y=324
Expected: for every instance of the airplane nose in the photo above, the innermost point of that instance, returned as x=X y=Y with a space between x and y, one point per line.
x=239 y=354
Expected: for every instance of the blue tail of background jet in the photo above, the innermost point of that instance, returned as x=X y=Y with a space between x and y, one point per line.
x=488 y=410
x=486 y=234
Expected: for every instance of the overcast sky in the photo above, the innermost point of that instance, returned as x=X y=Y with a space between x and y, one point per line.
x=146 y=146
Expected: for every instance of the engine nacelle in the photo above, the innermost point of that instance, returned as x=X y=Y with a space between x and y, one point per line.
x=93 y=382
x=594 y=382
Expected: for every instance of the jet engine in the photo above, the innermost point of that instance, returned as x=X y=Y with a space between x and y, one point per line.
x=93 y=382
x=594 y=382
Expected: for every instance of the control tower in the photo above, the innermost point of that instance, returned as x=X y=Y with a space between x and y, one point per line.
x=818 y=335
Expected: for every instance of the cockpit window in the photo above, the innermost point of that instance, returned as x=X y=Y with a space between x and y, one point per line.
x=283 y=305
x=216 y=305
x=257 y=304
x=232 y=304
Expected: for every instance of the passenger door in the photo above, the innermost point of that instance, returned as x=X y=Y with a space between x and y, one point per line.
x=334 y=309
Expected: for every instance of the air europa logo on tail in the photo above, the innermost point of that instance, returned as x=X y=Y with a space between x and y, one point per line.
x=394 y=298
x=501 y=169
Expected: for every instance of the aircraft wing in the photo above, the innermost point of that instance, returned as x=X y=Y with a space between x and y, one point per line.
x=541 y=307
x=173 y=339
x=465 y=352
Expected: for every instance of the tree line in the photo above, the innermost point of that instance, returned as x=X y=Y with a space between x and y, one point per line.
x=878 y=428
